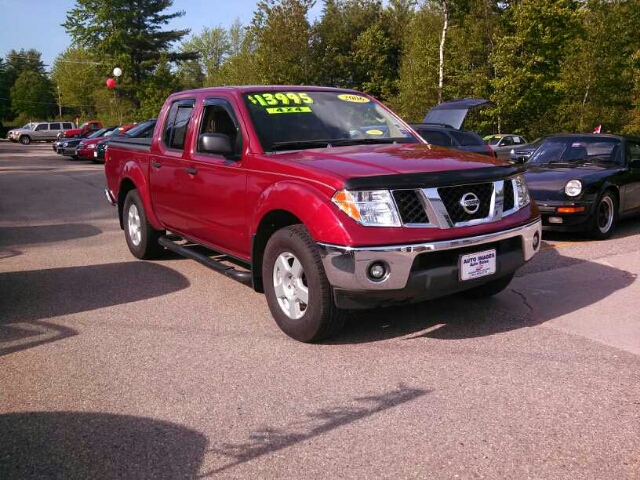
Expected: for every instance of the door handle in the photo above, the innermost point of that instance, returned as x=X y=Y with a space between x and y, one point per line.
x=191 y=171
x=156 y=164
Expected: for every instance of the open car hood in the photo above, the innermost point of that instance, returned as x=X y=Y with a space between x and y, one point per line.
x=454 y=112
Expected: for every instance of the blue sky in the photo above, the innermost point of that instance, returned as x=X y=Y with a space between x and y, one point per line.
x=36 y=23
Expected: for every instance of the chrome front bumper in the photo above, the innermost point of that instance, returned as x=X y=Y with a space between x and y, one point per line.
x=346 y=267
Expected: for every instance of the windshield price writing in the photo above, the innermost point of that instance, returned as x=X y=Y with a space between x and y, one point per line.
x=280 y=99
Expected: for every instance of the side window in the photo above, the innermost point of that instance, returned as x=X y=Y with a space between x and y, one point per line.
x=633 y=151
x=217 y=119
x=54 y=126
x=67 y=126
x=506 y=142
x=436 y=138
x=517 y=141
x=42 y=126
x=175 y=128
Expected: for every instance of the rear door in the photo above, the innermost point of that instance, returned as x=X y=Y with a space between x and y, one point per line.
x=54 y=129
x=168 y=177
x=217 y=184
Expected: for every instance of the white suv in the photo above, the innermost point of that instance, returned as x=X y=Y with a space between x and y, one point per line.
x=39 y=131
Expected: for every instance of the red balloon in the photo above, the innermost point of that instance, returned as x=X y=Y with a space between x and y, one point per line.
x=111 y=83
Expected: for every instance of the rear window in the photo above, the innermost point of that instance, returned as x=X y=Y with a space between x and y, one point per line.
x=435 y=137
x=466 y=139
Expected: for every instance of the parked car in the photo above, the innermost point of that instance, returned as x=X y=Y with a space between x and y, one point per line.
x=314 y=211
x=585 y=182
x=522 y=153
x=39 y=131
x=84 y=130
x=140 y=130
x=442 y=126
x=69 y=146
x=86 y=147
x=503 y=144
x=446 y=136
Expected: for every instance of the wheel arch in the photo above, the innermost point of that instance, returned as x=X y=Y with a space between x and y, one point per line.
x=270 y=223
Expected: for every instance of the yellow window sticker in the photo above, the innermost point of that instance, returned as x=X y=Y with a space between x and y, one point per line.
x=347 y=97
x=276 y=110
x=280 y=99
x=374 y=132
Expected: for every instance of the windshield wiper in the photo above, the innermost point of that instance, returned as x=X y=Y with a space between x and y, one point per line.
x=337 y=142
x=300 y=144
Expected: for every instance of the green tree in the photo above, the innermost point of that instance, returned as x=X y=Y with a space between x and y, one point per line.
x=76 y=74
x=156 y=89
x=4 y=91
x=16 y=63
x=528 y=60
x=213 y=47
x=241 y=67
x=419 y=65
x=128 y=33
x=31 y=95
x=283 y=37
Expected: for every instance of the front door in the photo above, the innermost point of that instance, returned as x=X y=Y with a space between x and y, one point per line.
x=168 y=177
x=632 y=193
x=218 y=184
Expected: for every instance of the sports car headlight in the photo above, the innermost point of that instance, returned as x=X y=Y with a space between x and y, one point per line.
x=371 y=208
x=573 y=188
x=522 y=191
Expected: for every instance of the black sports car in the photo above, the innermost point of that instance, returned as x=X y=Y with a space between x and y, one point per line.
x=585 y=181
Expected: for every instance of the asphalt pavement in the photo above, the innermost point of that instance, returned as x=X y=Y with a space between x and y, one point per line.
x=111 y=367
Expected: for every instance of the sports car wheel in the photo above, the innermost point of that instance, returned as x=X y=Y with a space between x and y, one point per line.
x=604 y=217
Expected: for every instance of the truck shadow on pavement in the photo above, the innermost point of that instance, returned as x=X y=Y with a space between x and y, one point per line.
x=97 y=446
x=529 y=300
x=14 y=236
x=269 y=440
x=34 y=295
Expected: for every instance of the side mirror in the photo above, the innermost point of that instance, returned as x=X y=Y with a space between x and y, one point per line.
x=635 y=164
x=215 y=143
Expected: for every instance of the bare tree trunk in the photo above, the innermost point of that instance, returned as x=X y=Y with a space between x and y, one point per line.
x=445 y=27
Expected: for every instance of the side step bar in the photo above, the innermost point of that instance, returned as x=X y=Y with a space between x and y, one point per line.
x=242 y=277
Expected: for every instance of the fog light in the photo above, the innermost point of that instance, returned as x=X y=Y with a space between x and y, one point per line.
x=555 y=220
x=378 y=271
x=536 y=240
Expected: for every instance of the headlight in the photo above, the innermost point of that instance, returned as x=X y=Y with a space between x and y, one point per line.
x=573 y=188
x=522 y=191
x=371 y=208
x=92 y=146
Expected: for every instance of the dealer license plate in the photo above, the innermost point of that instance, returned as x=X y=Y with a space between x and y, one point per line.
x=476 y=265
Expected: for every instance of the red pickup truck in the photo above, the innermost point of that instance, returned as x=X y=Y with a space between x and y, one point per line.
x=84 y=130
x=321 y=198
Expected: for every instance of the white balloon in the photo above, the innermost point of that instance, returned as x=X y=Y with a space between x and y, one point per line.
x=117 y=72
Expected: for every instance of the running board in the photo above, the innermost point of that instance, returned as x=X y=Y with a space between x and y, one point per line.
x=169 y=243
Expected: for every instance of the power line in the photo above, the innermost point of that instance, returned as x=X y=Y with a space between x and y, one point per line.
x=48 y=103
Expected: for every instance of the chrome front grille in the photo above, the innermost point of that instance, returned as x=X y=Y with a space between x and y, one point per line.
x=453 y=198
x=456 y=206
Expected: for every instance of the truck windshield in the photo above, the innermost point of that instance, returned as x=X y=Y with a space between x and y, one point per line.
x=292 y=120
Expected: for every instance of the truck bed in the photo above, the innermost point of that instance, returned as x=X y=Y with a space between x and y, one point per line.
x=141 y=144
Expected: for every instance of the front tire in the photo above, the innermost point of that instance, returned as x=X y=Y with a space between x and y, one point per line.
x=604 y=217
x=142 y=238
x=489 y=289
x=25 y=139
x=297 y=290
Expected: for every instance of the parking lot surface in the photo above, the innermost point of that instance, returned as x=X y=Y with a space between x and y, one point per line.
x=115 y=367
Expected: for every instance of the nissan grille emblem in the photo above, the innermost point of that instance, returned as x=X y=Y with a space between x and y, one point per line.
x=470 y=203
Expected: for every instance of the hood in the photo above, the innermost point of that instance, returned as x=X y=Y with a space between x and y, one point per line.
x=362 y=161
x=454 y=112
x=548 y=182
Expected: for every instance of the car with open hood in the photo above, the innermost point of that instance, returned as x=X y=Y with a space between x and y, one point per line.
x=585 y=182
x=442 y=126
